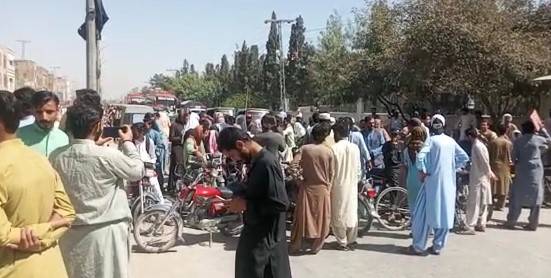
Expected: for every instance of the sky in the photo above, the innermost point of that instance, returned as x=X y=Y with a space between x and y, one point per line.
x=144 y=37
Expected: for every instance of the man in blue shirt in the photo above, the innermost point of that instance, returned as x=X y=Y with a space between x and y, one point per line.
x=374 y=137
x=160 y=148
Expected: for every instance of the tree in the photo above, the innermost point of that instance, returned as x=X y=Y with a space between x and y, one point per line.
x=224 y=77
x=192 y=70
x=298 y=80
x=197 y=88
x=185 y=68
x=331 y=64
x=160 y=81
x=271 y=68
x=242 y=74
x=376 y=65
x=483 y=48
x=254 y=70
x=210 y=71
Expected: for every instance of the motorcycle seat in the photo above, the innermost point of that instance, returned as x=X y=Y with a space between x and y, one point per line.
x=225 y=192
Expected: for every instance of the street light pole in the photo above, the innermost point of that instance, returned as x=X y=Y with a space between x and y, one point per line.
x=282 y=88
x=91 y=46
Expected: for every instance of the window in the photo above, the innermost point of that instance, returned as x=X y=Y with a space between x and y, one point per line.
x=11 y=63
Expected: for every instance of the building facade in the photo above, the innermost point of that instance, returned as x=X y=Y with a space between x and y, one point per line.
x=30 y=74
x=62 y=87
x=7 y=69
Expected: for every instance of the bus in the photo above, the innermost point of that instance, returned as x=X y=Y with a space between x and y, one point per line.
x=163 y=100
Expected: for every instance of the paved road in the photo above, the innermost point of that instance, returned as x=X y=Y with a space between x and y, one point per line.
x=496 y=253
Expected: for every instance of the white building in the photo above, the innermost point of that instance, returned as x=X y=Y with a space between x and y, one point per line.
x=7 y=69
x=62 y=87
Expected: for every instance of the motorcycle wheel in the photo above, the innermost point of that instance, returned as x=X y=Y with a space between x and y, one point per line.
x=136 y=207
x=365 y=219
x=153 y=238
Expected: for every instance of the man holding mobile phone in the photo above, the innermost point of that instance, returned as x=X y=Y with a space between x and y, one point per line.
x=262 y=248
x=97 y=244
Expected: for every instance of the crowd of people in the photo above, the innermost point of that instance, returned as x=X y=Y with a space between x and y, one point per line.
x=76 y=223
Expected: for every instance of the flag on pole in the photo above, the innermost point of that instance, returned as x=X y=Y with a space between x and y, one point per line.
x=101 y=19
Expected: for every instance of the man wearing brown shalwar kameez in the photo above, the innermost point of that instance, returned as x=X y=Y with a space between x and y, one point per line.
x=312 y=216
x=500 y=160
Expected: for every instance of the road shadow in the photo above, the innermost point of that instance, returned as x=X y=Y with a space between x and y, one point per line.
x=383 y=248
x=386 y=235
x=136 y=249
x=230 y=243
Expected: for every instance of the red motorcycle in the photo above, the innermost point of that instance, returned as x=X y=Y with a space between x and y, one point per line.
x=199 y=205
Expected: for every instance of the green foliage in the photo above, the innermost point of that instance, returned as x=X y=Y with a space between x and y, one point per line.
x=299 y=83
x=428 y=53
x=331 y=64
x=271 y=68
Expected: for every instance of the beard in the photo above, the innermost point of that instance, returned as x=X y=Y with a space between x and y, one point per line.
x=46 y=124
x=245 y=157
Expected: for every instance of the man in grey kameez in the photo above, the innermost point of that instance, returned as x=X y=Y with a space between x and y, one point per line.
x=97 y=244
x=527 y=188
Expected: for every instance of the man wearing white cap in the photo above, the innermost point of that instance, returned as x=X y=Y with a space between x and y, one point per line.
x=323 y=117
x=435 y=204
x=507 y=121
x=300 y=130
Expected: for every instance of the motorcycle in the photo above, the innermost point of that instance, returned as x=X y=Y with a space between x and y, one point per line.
x=140 y=193
x=293 y=175
x=198 y=205
x=366 y=206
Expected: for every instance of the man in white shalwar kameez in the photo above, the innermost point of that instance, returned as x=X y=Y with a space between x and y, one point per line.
x=344 y=193
x=97 y=244
x=435 y=205
x=480 y=192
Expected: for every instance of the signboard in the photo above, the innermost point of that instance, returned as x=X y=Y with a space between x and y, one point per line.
x=165 y=98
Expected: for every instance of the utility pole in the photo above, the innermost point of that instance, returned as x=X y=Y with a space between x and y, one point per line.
x=99 y=61
x=91 y=46
x=23 y=44
x=282 y=89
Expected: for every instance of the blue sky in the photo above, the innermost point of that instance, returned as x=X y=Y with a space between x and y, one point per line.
x=144 y=37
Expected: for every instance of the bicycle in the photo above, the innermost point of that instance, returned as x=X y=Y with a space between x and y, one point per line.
x=391 y=204
x=462 y=195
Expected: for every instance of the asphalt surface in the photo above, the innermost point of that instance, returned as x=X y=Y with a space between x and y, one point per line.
x=495 y=253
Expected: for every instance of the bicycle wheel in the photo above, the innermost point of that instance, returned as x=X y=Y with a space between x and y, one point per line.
x=364 y=217
x=392 y=207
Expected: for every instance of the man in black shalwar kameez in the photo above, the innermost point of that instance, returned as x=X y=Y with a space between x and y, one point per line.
x=262 y=249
